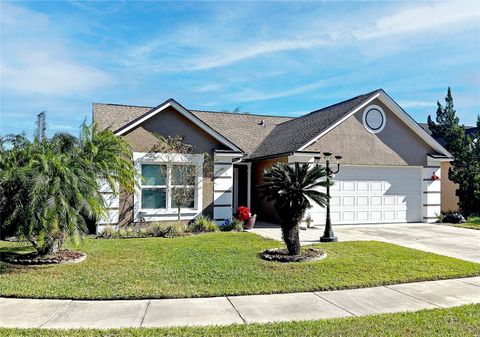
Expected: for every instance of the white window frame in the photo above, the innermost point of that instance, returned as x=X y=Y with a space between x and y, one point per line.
x=168 y=159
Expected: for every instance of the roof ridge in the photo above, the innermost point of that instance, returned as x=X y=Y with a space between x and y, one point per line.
x=242 y=113
x=208 y=111
x=125 y=105
x=335 y=104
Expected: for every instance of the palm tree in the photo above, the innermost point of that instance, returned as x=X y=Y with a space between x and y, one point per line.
x=51 y=186
x=292 y=189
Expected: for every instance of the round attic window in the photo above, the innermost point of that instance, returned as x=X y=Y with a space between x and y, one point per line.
x=374 y=119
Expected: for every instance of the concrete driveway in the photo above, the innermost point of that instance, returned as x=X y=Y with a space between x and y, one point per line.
x=456 y=242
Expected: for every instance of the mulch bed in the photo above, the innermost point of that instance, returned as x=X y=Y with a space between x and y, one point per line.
x=281 y=255
x=64 y=256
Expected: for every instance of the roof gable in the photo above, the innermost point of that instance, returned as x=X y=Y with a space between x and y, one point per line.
x=295 y=135
x=186 y=113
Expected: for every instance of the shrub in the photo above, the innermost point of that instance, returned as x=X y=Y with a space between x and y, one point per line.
x=108 y=232
x=202 y=224
x=453 y=217
x=167 y=230
x=234 y=226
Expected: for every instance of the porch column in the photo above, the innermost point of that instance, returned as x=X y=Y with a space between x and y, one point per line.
x=431 y=191
x=223 y=185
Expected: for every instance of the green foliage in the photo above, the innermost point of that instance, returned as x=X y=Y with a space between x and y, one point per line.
x=158 y=229
x=465 y=169
x=234 y=226
x=49 y=188
x=202 y=224
x=291 y=190
x=167 y=230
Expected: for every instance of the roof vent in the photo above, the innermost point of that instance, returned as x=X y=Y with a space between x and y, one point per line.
x=262 y=123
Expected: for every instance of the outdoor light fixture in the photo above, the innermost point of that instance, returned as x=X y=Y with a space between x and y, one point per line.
x=328 y=235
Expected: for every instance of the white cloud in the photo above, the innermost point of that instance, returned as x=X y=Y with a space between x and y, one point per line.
x=416 y=104
x=254 y=95
x=423 y=17
x=207 y=53
x=36 y=58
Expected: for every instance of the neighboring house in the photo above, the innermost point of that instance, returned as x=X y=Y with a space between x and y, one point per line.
x=385 y=176
x=449 y=200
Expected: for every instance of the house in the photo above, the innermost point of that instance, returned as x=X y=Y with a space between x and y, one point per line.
x=449 y=200
x=385 y=174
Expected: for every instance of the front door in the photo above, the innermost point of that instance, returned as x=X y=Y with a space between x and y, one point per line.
x=240 y=186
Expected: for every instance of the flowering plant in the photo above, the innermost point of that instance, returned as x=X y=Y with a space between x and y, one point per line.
x=435 y=177
x=243 y=213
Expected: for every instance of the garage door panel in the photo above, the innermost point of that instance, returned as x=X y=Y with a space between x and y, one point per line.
x=374 y=195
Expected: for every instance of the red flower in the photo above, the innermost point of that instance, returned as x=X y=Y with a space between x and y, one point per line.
x=243 y=213
x=435 y=177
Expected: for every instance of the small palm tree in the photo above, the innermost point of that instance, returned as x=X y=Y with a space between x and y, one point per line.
x=48 y=187
x=292 y=189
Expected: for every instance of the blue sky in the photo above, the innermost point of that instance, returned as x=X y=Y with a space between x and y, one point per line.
x=285 y=58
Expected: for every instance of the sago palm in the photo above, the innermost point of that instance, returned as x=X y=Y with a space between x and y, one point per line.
x=50 y=186
x=292 y=190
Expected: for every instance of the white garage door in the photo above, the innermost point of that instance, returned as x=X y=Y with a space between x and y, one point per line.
x=374 y=195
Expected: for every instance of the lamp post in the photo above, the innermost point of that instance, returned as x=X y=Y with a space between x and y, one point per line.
x=329 y=235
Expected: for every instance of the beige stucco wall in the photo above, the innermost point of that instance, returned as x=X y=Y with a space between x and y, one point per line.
x=449 y=201
x=260 y=206
x=395 y=145
x=171 y=123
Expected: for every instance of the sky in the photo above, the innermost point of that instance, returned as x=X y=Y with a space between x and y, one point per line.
x=279 y=58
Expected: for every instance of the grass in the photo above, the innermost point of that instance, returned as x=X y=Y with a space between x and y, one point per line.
x=216 y=264
x=472 y=223
x=458 y=322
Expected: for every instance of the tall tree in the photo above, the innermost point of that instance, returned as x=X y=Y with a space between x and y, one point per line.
x=447 y=126
x=465 y=168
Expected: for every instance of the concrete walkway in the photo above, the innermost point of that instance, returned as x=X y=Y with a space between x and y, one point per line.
x=461 y=243
x=33 y=313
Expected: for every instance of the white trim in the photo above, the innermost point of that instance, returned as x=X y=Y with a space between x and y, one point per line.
x=249 y=185
x=235 y=188
x=397 y=110
x=365 y=122
x=168 y=213
x=197 y=121
x=338 y=122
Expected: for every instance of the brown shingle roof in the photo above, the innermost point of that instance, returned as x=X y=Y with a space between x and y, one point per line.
x=244 y=130
x=257 y=135
x=292 y=135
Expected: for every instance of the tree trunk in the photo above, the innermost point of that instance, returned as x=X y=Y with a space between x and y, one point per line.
x=179 y=215
x=50 y=247
x=292 y=239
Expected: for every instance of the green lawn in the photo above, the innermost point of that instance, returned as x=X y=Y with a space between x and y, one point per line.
x=455 y=322
x=472 y=223
x=219 y=264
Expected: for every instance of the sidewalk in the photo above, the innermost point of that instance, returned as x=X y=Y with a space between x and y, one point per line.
x=34 y=313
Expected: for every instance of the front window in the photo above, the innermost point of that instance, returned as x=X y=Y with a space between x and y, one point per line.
x=154 y=186
x=164 y=186
x=183 y=186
